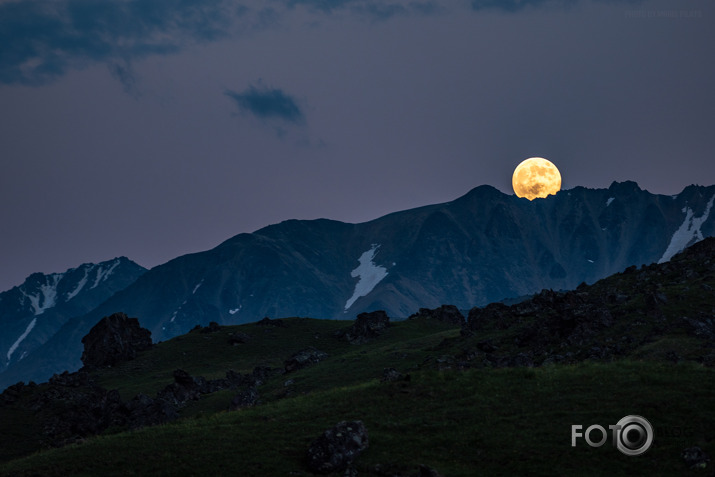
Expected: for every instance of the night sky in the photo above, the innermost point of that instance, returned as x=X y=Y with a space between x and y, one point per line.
x=152 y=129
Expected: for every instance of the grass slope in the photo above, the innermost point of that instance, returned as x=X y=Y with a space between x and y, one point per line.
x=508 y=421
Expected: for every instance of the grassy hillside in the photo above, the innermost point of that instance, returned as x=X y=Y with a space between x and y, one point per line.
x=510 y=421
x=484 y=421
x=495 y=397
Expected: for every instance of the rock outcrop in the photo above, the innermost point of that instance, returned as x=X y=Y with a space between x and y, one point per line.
x=337 y=447
x=445 y=313
x=304 y=358
x=367 y=326
x=114 y=339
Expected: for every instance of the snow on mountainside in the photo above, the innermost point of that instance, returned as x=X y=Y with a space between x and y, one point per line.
x=33 y=311
x=369 y=275
x=482 y=247
x=688 y=233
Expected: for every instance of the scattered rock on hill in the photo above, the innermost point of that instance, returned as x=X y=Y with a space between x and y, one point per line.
x=338 y=447
x=238 y=338
x=212 y=328
x=426 y=471
x=304 y=358
x=114 y=339
x=268 y=322
x=366 y=327
x=391 y=374
x=445 y=313
x=145 y=411
x=245 y=398
x=12 y=393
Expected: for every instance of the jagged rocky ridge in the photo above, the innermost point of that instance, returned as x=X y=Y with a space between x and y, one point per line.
x=605 y=321
x=33 y=312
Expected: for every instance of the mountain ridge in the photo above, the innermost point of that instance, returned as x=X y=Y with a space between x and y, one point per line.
x=482 y=247
x=33 y=311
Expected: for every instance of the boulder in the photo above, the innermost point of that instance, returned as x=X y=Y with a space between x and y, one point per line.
x=235 y=339
x=337 y=447
x=245 y=398
x=366 y=327
x=144 y=411
x=391 y=374
x=212 y=328
x=304 y=358
x=114 y=339
x=268 y=322
x=445 y=313
x=184 y=388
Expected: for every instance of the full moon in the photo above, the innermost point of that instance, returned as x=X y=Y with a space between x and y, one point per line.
x=536 y=177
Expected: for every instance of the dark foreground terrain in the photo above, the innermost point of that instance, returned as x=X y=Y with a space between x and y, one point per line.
x=493 y=394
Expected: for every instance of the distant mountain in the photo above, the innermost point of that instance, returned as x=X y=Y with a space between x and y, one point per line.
x=482 y=247
x=33 y=312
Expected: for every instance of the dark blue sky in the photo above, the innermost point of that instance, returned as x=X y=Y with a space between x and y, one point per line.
x=154 y=129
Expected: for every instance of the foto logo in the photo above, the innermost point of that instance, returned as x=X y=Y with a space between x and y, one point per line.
x=632 y=435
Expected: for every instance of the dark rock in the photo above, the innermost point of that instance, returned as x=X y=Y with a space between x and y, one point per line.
x=75 y=380
x=245 y=398
x=268 y=322
x=338 y=447
x=70 y=413
x=391 y=374
x=702 y=326
x=695 y=457
x=12 y=393
x=366 y=327
x=144 y=411
x=494 y=314
x=445 y=313
x=114 y=339
x=183 y=389
x=487 y=346
x=237 y=338
x=426 y=471
x=304 y=358
x=212 y=328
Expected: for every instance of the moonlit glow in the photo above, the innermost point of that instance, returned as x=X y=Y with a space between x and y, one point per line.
x=536 y=177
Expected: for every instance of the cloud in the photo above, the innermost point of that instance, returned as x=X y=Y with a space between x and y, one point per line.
x=517 y=5
x=124 y=73
x=267 y=104
x=375 y=10
x=43 y=40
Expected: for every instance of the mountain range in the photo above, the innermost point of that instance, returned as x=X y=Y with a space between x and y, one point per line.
x=482 y=247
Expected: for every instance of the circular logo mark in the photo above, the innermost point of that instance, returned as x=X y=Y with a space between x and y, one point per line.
x=635 y=435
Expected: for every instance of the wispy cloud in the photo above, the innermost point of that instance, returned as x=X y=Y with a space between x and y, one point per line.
x=373 y=9
x=517 y=5
x=267 y=104
x=42 y=40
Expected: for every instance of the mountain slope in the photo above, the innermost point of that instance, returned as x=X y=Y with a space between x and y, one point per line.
x=481 y=400
x=479 y=248
x=33 y=312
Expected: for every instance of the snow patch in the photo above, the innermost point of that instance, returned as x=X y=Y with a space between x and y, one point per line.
x=235 y=310
x=197 y=286
x=610 y=199
x=80 y=284
x=173 y=317
x=47 y=297
x=590 y=260
x=688 y=233
x=103 y=275
x=370 y=275
x=22 y=337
